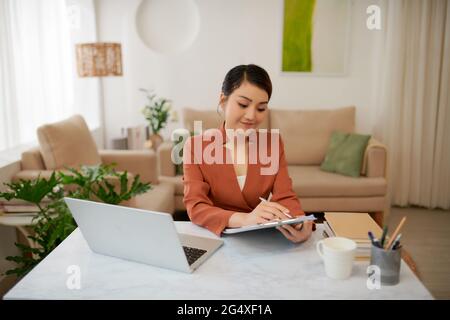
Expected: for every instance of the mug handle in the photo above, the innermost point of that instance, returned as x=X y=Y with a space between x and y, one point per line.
x=319 y=248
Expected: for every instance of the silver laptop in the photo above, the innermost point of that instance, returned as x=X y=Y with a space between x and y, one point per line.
x=138 y=235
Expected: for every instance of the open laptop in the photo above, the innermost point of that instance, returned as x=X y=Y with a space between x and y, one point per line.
x=138 y=235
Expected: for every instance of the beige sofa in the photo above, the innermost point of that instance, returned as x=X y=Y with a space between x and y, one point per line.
x=306 y=136
x=69 y=143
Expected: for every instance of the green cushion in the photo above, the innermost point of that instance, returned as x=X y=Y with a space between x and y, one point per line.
x=345 y=153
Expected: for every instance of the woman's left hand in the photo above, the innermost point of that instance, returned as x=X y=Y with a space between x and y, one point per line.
x=297 y=233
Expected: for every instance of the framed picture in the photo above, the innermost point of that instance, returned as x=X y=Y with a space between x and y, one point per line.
x=316 y=37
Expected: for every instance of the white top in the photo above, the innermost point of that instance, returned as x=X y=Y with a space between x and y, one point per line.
x=241 y=181
x=266 y=264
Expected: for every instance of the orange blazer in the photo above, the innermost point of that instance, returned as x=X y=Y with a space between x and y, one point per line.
x=212 y=193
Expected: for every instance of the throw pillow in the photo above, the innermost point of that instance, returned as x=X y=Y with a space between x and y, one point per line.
x=345 y=153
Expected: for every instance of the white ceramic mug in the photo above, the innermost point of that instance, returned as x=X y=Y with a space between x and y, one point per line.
x=338 y=254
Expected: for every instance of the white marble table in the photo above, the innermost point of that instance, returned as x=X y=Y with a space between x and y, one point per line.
x=252 y=265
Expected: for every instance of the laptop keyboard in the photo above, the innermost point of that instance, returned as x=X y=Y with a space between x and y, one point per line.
x=192 y=254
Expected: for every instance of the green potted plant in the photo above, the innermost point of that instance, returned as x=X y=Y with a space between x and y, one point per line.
x=54 y=222
x=157 y=113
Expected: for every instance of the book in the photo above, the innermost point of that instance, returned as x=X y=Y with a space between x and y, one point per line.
x=360 y=243
x=18 y=214
x=354 y=226
x=21 y=202
x=18 y=207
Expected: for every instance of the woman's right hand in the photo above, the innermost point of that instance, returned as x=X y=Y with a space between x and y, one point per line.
x=263 y=213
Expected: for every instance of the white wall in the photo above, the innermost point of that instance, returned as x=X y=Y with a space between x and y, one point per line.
x=87 y=94
x=231 y=32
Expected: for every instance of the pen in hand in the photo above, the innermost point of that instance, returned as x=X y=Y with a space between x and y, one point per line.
x=264 y=200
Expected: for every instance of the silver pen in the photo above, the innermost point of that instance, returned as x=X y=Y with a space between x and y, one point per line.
x=268 y=199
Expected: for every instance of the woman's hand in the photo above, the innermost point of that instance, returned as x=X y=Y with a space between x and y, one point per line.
x=263 y=213
x=297 y=233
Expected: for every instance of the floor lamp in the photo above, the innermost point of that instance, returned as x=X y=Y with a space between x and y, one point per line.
x=99 y=59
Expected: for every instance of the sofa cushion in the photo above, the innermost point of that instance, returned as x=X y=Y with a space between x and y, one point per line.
x=345 y=153
x=67 y=143
x=306 y=133
x=345 y=204
x=210 y=118
x=311 y=181
x=160 y=198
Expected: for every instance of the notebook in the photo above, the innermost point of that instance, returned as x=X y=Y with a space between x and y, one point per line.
x=353 y=225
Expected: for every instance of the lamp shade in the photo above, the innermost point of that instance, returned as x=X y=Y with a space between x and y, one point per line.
x=99 y=59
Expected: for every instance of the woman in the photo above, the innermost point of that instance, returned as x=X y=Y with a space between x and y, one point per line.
x=228 y=194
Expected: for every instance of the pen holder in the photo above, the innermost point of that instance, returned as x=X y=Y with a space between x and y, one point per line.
x=389 y=263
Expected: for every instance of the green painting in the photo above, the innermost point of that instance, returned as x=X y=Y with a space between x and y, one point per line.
x=297 y=36
x=315 y=36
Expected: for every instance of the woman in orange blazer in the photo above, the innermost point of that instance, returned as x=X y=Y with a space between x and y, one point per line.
x=226 y=194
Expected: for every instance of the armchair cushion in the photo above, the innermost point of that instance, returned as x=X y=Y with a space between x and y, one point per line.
x=32 y=160
x=176 y=181
x=138 y=162
x=67 y=143
x=33 y=174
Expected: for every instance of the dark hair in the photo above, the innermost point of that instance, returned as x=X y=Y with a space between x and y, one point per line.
x=250 y=72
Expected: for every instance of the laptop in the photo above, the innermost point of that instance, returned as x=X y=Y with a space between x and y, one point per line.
x=143 y=236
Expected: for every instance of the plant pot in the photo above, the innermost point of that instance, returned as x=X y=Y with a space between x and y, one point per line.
x=155 y=140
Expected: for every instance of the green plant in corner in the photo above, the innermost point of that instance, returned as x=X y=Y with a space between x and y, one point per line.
x=54 y=222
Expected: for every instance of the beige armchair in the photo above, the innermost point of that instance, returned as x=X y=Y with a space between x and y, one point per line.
x=69 y=143
x=306 y=136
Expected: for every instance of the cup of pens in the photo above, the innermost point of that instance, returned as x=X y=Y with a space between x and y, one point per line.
x=387 y=254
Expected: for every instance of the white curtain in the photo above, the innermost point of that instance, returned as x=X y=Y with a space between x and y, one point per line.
x=414 y=99
x=36 y=77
